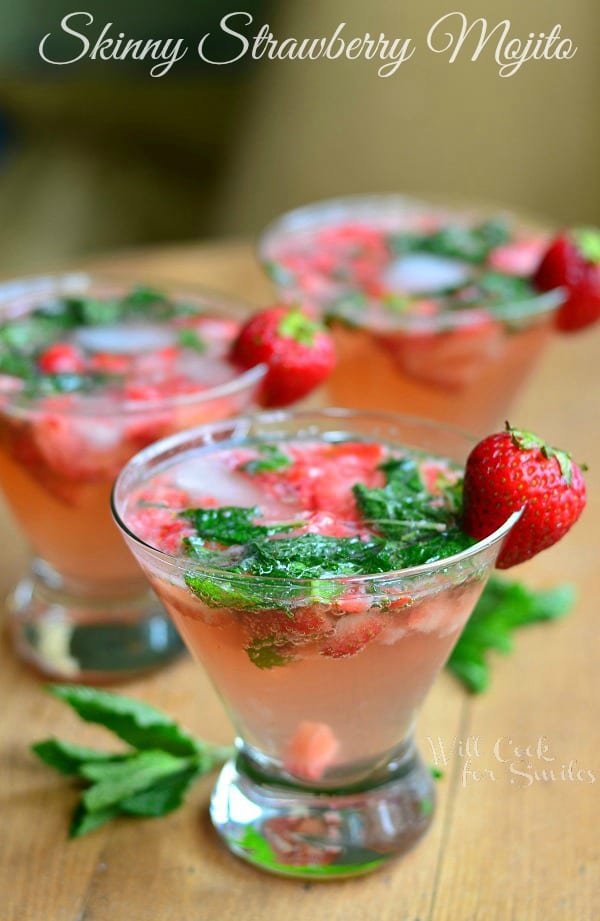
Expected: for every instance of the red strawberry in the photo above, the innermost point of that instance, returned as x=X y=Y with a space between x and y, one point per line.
x=61 y=358
x=516 y=470
x=298 y=352
x=352 y=633
x=573 y=262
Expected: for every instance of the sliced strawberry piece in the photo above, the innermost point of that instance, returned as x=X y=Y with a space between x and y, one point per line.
x=522 y=257
x=352 y=633
x=453 y=358
x=310 y=751
x=62 y=358
x=304 y=625
x=109 y=363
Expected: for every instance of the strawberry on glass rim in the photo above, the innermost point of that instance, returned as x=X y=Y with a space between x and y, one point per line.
x=297 y=350
x=572 y=262
x=516 y=471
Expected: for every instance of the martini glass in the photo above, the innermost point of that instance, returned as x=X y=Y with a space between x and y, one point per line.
x=83 y=610
x=327 y=781
x=351 y=260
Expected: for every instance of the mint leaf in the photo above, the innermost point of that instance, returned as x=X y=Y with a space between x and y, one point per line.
x=271 y=458
x=191 y=339
x=69 y=758
x=267 y=655
x=135 y=722
x=84 y=822
x=403 y=509
x=149 y=781
x=230 y=524
x=163 y=797
x=503 y=608
x=114 y=782
x=217 y=592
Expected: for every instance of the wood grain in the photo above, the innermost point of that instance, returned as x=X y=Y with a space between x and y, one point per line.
x=498 y=850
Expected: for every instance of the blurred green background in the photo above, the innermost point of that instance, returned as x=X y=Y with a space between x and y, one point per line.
x=98 y=156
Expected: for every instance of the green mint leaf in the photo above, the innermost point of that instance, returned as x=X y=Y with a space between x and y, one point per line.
x=271 y=458
x=69 y=758
x=191 y=339
x=400 y=244
x=471 y=244
x=84 y=822
x=403 y=509
x=163 y=797
x=225 y=592
x=115 y=782
x=230 y=525
x=137 y=723
x=587 y=240
x=265 y=655
x=16 y=365
x=503 y=608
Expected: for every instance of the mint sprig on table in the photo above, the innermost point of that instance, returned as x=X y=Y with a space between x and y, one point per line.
x=151 y=779
x=503 y=608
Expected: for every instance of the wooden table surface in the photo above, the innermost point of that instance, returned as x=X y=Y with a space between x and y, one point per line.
x=505 y=846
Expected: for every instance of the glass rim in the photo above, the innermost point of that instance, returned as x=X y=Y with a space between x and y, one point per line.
x=168 y=447
x=331 y=211
x=40 y=286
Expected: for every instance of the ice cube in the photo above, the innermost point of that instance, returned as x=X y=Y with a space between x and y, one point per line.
x=125 y=338
x=205 y=476
x=421 y=273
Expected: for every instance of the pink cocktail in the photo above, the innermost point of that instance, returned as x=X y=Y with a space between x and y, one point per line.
x=91 y=371
x=315 y=565
x=433 y=311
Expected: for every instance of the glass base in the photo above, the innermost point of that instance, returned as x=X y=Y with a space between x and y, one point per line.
x=299 y=832
x=70 y=634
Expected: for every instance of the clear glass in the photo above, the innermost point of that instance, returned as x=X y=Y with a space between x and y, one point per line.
x=445 y=367
x=83 y=611
x=375 y=797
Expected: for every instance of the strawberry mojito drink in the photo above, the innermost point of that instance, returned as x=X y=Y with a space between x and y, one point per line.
x=434 y=312
x=316 y=566
x=90 y=372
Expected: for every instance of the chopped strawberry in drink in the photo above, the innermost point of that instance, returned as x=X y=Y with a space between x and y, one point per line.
x=521 y=257
x=352 y=633
x=62 y=358
x=276 y=626
x=310 y=751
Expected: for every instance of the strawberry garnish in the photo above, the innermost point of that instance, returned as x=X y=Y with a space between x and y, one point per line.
x=513 y=471
x=297 y=350
x=572 y=262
